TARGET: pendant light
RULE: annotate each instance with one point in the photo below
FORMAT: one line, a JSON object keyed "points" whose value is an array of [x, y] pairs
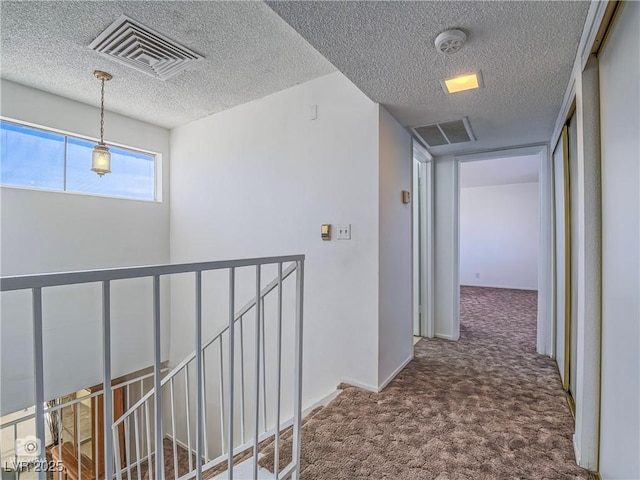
{"points": [[101, 157]]}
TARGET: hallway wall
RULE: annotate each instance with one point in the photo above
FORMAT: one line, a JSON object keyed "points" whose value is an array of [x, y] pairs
{"points": [[259, 180], [395, 254], [499, 236]]}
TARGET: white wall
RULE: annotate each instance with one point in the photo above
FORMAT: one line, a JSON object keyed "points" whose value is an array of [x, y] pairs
{"points": [[499, 236], [395, 290], [446, 275], [52, 231], [620, 124], [259, 180]]}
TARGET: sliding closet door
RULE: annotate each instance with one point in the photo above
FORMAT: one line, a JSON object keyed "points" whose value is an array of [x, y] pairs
{"points": [[572, 283], [562, 254]]}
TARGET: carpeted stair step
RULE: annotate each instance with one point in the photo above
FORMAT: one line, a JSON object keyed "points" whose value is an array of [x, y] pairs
{"points": [[267, 461]]}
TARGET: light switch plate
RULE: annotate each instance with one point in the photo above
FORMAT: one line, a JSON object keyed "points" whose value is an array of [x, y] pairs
{"points": [[343, 232], [325, 231]]}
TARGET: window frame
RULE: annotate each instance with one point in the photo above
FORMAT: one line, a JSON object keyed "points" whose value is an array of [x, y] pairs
{"points": [[157, 163]]}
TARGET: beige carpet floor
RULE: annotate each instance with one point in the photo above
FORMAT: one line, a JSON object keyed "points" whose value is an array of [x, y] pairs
{"points": [[485, 407]]}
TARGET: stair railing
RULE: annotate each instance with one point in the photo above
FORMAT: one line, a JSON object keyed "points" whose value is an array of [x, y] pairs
{"points": [[142, 425], [180, 373], [53, 411]]}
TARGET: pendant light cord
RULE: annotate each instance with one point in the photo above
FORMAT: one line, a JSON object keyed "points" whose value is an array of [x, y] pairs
{"points": [[102, 114]]}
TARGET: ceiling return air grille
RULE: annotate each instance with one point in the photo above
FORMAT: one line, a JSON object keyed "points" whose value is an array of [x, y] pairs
{"points": [[446, 133], [131, 43]]}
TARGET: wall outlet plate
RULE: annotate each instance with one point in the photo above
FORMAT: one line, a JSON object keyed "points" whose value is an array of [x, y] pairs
{"points": [[343, 232]]}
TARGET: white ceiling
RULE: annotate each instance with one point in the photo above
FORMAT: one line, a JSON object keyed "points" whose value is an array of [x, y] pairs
{"points": [[499, 171], [249, 53], [525, 50]]}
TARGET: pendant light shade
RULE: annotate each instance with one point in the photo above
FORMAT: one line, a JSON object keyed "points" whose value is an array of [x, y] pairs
{"points": [[101, 157]]}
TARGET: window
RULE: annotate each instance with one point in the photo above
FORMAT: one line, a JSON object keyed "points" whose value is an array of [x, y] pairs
{"points": [[37, 158]]}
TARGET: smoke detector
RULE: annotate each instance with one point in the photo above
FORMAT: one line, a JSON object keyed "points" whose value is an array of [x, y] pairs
{"points": [[450, 41]]}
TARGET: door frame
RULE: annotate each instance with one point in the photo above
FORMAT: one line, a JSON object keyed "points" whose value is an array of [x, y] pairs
{"points": [[425, 271], [545, 323]]}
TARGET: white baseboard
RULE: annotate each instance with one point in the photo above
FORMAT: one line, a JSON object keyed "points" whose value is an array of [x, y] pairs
{"points": [[394, 373], [356, 383], [501, 286], [371, 388], [443, 336], [323, 402]]}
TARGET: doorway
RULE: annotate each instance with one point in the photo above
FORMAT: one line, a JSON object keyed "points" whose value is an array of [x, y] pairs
{"points": [[498, 225], [422, 243]]}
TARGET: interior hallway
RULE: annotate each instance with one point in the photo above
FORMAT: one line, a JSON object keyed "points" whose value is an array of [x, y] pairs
{"points": [[485, 407]]}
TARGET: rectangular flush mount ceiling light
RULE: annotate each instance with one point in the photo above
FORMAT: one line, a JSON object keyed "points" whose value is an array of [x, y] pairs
{"points": [[462, 83]]}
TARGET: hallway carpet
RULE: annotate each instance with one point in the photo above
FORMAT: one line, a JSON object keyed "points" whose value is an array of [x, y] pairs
{"points": [[485, 407]]}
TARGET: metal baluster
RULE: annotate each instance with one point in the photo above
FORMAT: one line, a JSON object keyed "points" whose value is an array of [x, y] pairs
{"points": [[79, 437], [147, 425], [199, 372], [38, 365], [116, 454], [257, 377], [188, 408], [96, 449], [242, 401], [204, 406], [264, 368], [232, 308], [128, 425], [60, 427], [137, 437], [141, 421], [127, 446], [276, 466], [157, 378], [106, 385], [173, 429], [15, 438], [297, 401], [221, 373]]}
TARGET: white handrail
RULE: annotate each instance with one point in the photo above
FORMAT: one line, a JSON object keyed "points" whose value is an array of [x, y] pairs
{"points": [[24, 282]]}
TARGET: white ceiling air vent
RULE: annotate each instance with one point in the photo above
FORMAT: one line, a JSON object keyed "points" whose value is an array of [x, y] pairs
{"points": [[445, 133], [131, 43], [450, 41]]}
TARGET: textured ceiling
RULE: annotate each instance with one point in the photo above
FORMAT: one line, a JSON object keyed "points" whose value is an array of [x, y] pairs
{"points": [[500, 171], [525, 51], [249, 53]]}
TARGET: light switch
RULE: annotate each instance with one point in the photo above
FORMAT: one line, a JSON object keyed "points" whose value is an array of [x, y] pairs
{"points": [[343, 232]]}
